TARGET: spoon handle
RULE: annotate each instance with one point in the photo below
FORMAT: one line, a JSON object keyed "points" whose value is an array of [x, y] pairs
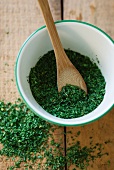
{"points": [[58, 49]]}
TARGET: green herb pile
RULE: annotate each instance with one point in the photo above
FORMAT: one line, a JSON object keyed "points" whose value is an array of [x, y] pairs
{"points": [[25, 135], [71, 102], [82, 157], [29, 142]]}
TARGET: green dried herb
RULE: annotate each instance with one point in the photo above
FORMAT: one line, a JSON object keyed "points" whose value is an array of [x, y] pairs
{"points": [[24, 137], [18, 134], [71, 102], [82, 157], [22, 133]]}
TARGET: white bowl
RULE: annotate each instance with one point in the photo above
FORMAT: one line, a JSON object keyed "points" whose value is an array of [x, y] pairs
{"points": [[80, 37]]}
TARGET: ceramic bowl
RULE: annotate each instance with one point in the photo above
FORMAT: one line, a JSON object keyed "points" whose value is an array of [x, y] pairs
{"points": [[80, 37]]}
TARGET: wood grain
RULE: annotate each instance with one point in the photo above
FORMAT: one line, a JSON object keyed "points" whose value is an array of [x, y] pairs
{"points": [[101, 14], [18, 19]]}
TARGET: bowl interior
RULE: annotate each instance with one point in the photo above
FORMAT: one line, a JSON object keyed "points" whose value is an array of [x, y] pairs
{"points": [[79, 37]]}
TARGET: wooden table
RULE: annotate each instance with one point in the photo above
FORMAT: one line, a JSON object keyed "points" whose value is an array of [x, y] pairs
{"points": [[18, 19]]}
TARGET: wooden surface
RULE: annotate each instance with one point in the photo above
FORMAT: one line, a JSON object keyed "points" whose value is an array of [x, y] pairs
{"points": [[101, 14], [97, 12], [18, 19]]}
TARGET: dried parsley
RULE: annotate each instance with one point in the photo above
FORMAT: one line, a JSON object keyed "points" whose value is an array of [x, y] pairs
{"points": [[71, 102], [82, 157], [29, 140], [22, 133]]}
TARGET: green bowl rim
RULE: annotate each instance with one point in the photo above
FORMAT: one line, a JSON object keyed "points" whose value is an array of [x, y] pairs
{"points": [[44, 26]]}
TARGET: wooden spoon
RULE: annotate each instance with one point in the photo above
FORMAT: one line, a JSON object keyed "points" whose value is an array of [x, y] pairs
{"points": [[66, 72]]}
